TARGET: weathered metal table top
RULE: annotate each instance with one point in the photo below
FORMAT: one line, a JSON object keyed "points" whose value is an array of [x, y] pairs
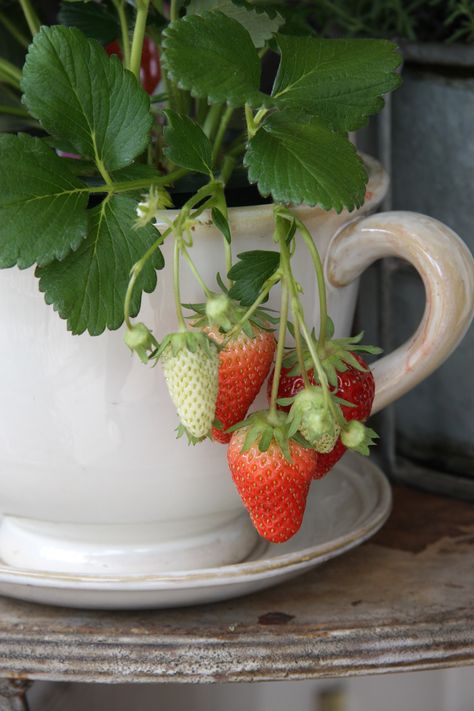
{"points": [[402, 601]]}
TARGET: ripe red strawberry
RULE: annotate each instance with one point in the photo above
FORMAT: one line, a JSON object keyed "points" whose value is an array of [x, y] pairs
{"points": [[150, 70], [243, 366], [273, 489], [355, 386]]}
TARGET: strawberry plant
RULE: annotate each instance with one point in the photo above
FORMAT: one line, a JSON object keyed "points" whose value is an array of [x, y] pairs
{"points": [[86, 223]]}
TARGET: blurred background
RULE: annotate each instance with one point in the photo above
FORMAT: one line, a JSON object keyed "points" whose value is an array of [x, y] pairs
{"points": [[445, 690]]}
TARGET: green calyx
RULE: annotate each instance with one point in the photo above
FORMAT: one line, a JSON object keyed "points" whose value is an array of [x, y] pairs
{"points": [[338, 357], [141, 341], [182, 431], [229, 317], [263, 428], [191, 341], [310, 416], [358, 437]]}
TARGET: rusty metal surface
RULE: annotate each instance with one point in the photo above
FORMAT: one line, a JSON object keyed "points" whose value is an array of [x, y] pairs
{"points": [[403, 601]]}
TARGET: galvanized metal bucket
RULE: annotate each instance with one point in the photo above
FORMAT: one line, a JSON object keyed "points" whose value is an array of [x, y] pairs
{"points": [[425, 139]]}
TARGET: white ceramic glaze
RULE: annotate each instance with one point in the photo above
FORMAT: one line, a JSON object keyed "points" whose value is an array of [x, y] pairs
{"points": [[344, 510], [87, 444]]}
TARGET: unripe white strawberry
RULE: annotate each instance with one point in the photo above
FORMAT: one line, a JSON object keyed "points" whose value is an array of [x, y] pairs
{"points": [[190, 364]]}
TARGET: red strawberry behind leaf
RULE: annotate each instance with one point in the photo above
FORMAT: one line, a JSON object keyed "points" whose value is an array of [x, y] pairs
{"points": [[243, 366], [150, 69], [355, 386], [273, 489]]}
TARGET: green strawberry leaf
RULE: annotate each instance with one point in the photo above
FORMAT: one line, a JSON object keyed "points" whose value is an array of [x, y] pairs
{"points": [[260, 26], [86, 98], [94, 19], [250, 274], [341, 82], [88, 287], [213, 56], [186, 143], [222, 224], [297, 159], [42, 204]]}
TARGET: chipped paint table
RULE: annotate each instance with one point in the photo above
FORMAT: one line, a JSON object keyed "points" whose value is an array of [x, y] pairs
{"points": [[402, 601]]}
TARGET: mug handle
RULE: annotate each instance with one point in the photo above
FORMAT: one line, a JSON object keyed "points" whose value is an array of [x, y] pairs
{"points": [[446, 267]]}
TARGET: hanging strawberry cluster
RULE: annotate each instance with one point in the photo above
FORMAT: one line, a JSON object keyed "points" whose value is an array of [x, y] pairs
{"points": [[320, 392]]}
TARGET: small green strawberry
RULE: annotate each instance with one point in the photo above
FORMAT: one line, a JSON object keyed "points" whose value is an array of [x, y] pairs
{"points": [[357, 436], [140, 339], [190, 364], [311, 416]]}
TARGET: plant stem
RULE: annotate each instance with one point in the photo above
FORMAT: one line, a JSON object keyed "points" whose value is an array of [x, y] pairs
{"points": [[159, 6], [126, 185], [295, 302], [318, 267], [235, 330], [300, 324], [280, 350], [201, 106], [178, 248], [176, 283], [174, 98], [228, 165], [136, 271], [103, 170], [227, 115], [174, 10], [13, 111], [195, 271], [13, 30], [122, 16], [212, 119], [10, 73], [259, 116], [298, 343], [30, 17], [328, 401], [138, 37], [251, 126]]}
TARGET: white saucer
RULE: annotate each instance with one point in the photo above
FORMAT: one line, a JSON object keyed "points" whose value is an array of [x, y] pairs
{"points": [[344, 509]]}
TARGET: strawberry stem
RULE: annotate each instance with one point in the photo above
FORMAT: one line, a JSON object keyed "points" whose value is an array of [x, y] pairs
{"points": [[122, 17], [227, 115], [273, 414], [235, 330], [136, 271], [297, 309], [281, 233], [177, 226], [318, 268], [328, 401], [298, 343], [138, 37], [176, 283], [195, 270]]}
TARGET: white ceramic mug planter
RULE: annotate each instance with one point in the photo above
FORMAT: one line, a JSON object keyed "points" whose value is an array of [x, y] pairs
{"points": [[92, 479]]}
